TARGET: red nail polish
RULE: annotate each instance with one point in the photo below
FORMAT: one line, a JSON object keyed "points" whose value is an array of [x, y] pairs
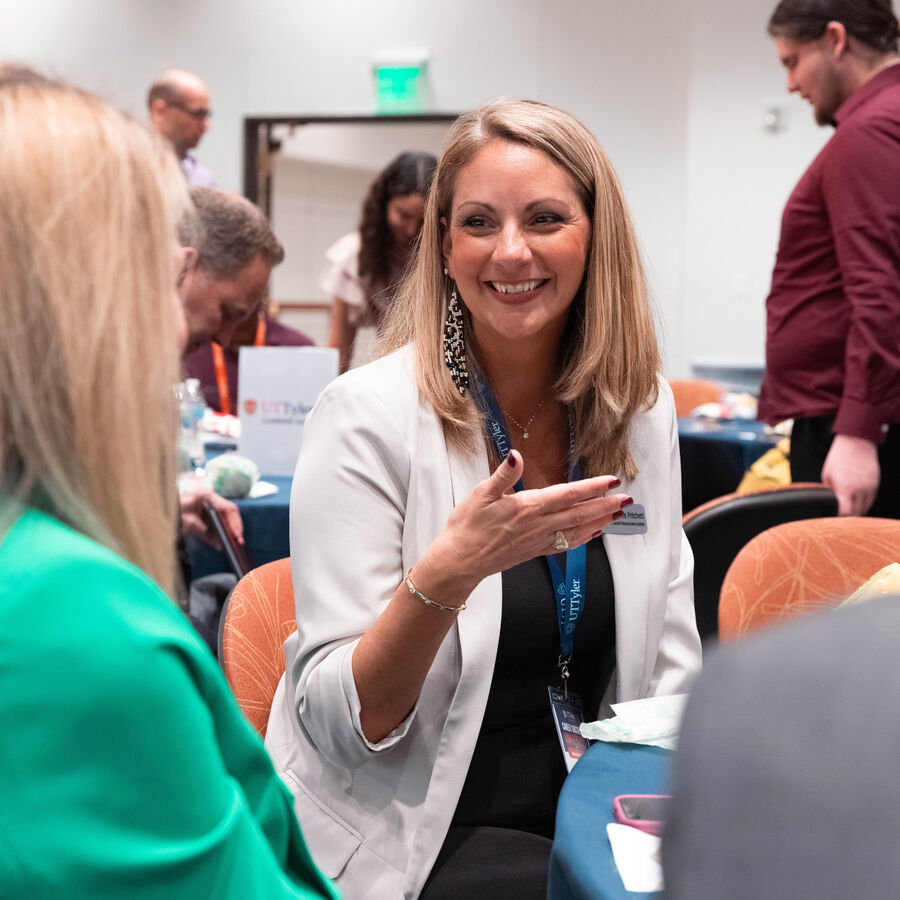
{"points": [[509, 459], [614, 484], [626, 502], [618, 514], [596, 534]]}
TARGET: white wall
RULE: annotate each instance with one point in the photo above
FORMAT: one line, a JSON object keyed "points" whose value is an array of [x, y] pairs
{"points": [[320, 177], [738, 177], [674, 89]]}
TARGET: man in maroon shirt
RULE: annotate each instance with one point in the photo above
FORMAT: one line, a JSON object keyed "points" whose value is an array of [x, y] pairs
{"points": [[833, 330]]}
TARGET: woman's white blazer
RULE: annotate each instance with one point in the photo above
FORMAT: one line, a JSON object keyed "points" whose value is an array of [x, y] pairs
{"points": [[374, 485]]}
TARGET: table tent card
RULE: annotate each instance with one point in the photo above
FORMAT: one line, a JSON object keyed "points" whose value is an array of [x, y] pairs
{"points": [[277, 387]]}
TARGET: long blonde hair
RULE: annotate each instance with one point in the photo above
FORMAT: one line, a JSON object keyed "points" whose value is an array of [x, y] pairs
{"points": [[88, 347], [611, 361]]}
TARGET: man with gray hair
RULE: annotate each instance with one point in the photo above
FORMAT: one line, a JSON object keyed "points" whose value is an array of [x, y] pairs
{"points": [[230, 252], [178, 103], [235, 251]]}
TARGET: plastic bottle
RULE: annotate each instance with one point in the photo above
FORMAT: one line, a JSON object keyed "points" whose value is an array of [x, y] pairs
{"points": [[192, 452]]}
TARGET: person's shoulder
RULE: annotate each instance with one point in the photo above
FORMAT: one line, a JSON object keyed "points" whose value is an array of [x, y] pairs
{"points": [[804, 676], [82, 598], [344, 248], [196, 174], [198, 361], [280, 335], [61, 551], [652, 431], [828, 643], [390, 379], [661, 412], [386, 385], [872, 125]]}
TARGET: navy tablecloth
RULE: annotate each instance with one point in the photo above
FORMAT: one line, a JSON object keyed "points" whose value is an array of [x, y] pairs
{"points": [[266, 532], [581, 862], [715, 455]]}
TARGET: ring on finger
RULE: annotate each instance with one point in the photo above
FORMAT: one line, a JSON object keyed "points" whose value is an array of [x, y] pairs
{"points": [[559, 541]]}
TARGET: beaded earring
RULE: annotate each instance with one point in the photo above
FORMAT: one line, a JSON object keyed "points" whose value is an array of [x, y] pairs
{"points": [[454, 342]]}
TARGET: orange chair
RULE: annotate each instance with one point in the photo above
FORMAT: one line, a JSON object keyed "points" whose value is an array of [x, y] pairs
{"points": [[255, 623], [693, 392], [717, 530], [800, 567]]}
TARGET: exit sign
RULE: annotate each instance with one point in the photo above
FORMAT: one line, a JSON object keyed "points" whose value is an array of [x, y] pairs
{"points": [[401, 83]]}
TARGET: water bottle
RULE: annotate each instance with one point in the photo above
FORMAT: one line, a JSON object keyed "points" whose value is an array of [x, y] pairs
{"points": [[192, 453]]}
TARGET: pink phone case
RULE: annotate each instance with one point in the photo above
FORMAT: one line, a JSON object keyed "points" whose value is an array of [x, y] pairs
{"points": [[651, 826]]}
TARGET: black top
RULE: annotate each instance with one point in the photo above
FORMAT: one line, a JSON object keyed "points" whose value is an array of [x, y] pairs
{"points": [[517, 768]]}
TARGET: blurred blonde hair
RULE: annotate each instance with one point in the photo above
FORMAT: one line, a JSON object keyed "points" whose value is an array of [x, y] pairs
{"points": [[611, 362], [88, 347]]}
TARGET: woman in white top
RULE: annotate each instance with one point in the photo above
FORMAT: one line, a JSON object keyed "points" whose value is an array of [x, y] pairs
{"points": [[448, 494], [365, 267]]}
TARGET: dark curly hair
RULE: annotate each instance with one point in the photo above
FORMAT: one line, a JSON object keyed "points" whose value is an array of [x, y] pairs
{"points": [[870, 21], [409, 173]]}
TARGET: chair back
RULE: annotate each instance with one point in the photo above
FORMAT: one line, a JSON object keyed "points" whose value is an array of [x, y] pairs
{"points": [[717, 530], [255, 623], [800, 567], [690, 393]]}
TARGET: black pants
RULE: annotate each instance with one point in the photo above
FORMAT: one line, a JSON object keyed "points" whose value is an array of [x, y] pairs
{"points": [[810, 440], [485, 862]]}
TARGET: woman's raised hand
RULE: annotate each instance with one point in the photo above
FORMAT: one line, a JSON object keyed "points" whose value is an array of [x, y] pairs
{"points": [[493, 529], [496, 528]]}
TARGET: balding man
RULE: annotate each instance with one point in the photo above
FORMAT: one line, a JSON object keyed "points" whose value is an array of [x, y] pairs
{"points": [[178, 103]]}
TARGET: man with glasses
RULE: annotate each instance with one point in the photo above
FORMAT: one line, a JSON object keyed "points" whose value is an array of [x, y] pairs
{"points": [[179, 110]]}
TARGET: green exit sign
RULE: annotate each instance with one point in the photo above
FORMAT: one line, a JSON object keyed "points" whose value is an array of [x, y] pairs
{"points": [[401, 88]]}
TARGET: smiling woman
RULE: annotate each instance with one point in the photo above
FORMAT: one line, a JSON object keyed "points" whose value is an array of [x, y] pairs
{"points": [[478, 471], [516, 245]]}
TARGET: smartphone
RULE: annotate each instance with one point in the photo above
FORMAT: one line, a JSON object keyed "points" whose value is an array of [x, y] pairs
{"points": [[237, 558], [644, 811]]}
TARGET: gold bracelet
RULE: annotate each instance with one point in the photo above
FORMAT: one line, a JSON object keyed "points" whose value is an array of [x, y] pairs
{"points": [[428, 601]]}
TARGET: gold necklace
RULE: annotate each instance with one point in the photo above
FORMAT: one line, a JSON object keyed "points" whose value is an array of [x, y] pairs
{"points": [[524, 428]]}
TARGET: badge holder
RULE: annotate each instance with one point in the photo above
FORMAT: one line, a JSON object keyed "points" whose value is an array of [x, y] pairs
{"points": [[567, 716]]}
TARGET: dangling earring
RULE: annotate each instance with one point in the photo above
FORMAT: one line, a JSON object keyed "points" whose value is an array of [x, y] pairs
{"points": [[454, 342]]}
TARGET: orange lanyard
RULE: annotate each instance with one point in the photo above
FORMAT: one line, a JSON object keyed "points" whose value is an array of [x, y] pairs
{"points": [[219, 362]]}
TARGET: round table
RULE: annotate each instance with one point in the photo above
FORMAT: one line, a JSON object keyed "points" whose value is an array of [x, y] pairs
{"points": [[581, 862], [715, 455]]}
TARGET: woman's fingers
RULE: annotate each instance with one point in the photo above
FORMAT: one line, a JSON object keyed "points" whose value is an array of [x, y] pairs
{"points": [[581, 534], [505, 476], [598, 510], [586, 520], [512, 527], [560, 497]]}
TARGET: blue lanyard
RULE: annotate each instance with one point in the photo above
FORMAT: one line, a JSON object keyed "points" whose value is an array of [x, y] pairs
{"points": [[569, 585]]}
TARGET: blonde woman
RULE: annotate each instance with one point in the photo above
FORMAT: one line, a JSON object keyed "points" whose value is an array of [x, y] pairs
{"points": [[126, 769], [465, 541]]}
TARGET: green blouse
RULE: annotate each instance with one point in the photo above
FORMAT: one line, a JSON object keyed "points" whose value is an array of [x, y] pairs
{"points": [[126, 767]]}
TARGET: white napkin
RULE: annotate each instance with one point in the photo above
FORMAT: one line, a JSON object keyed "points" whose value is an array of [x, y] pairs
{"points": [[262, 489], [637, 857], [653, 721]]}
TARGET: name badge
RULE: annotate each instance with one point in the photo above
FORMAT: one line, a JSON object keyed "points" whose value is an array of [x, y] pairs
{"points": [[567, 716], [633, 522]]}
